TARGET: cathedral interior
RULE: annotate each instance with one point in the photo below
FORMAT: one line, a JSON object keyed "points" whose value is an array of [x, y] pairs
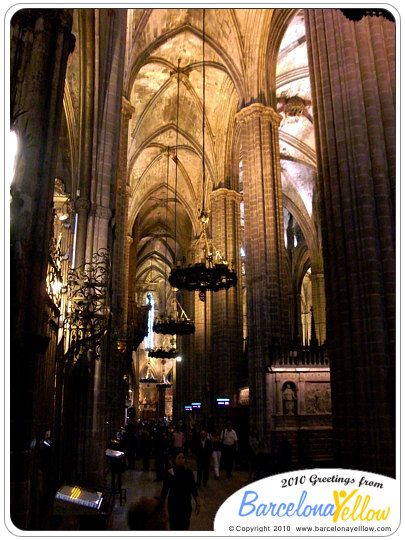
{"points": [[202, 226]]}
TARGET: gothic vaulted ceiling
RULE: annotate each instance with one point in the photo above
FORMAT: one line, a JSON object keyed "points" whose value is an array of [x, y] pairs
{"points": [[164, 83], [177, 155]]}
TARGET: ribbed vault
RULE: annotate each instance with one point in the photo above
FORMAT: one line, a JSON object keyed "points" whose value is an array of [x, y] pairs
{"points": [[164, 85]]}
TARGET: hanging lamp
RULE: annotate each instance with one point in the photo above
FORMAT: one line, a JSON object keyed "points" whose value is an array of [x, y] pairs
{"points": [[163, 353], [149, 377], [213, 272], [164, 383]]}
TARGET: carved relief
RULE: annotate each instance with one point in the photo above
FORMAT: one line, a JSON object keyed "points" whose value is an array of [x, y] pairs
{"points": [[318, 398]]}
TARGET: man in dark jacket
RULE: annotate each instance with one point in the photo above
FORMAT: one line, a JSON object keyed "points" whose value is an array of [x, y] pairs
{"points": [[203, 451]]}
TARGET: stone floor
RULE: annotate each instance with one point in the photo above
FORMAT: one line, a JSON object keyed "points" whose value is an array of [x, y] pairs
{"points": [[140, 483]]}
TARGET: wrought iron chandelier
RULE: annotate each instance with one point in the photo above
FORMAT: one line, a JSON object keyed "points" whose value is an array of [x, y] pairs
{"points": [[213, 272], [149, 377], [179, 324], [164, 383], [163, 353]]}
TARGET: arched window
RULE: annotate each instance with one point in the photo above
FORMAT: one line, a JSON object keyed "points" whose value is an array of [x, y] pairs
{"points": [[149, 340]]}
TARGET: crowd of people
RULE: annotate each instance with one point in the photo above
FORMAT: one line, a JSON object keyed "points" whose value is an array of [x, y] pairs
{"points": [[164, 447], [155, 443]]}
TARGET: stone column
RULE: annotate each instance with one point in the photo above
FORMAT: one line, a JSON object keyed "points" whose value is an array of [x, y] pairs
{"points": [[161, 408], [295, 316], [41, 41], [183, 369], [135, 386], [86, 133], [82, 209], [227, 337], [318, 304], [125, 285], [101, 79], [352, 69], [123, 239], [200, 360], [266, 278]]}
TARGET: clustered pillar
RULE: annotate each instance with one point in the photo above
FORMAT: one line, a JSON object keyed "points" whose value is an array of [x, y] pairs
{"points": [[41, 41], [353, 87], [227, 336], [266, 278]]}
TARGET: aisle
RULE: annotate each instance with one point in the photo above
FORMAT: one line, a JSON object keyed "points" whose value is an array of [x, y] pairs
{"points": [[140, 483]]}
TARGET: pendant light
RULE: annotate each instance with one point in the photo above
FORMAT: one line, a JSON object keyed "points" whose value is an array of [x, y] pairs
{"points": [[213, 272]]}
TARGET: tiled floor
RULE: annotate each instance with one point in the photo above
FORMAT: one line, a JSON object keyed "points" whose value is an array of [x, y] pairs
{"points": [[139, 483]]}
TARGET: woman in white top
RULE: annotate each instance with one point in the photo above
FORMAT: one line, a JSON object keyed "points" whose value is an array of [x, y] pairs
{"points": [[229, 448], [216, 451]]}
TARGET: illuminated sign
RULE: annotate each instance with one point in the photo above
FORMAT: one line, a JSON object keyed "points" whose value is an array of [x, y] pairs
{"points": [[223, 402], [196, 405]]}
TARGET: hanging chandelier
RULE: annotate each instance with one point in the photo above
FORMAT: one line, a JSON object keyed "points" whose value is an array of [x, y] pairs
{"points": [[212, 273], [174, 326], [177, 324], [164, 383], [163, 353], [149, 377]]}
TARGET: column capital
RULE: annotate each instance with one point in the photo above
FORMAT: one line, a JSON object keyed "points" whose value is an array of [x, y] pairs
{"points": [[226, 193], [82, 205], [258, 110]]}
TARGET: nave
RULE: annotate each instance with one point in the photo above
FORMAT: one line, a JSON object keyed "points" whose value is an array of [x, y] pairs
{"points": [[140, 483]]}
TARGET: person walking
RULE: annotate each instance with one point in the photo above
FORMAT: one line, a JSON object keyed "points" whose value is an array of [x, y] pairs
{"points": [[178, 440], [145, 446], [229, 447], [203, 451], [216, 452], [160, 452], [179, 487]]}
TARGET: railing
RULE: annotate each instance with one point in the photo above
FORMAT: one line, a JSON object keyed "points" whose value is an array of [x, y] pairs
{"points": [[305, 355]]}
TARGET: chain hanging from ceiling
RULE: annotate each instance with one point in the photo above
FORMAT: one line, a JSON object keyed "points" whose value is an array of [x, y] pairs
{"points": [[177, 322], [213, 272]]}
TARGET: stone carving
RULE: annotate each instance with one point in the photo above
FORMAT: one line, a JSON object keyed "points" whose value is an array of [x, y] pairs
{"points": [[289, 400], [318, 398], [293, 106]]}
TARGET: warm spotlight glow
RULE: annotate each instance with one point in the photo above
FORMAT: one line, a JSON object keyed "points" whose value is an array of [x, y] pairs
{"points": [[12, 149], [56, 287]]}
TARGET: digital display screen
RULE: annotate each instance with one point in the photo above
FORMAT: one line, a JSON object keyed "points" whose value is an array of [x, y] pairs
{"points": [[223, 402]]}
